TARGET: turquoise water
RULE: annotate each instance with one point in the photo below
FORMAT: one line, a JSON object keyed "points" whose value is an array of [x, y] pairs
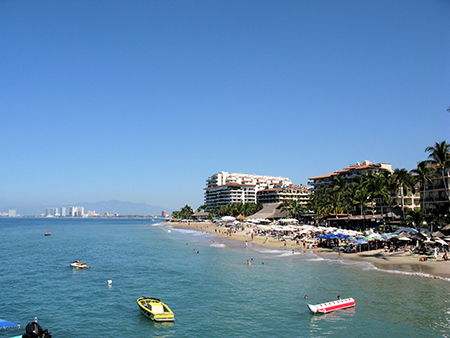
{"points": [[213, 293]]}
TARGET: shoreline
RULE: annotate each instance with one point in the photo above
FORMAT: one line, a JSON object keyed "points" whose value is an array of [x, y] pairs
{"points": [[395, 262]]}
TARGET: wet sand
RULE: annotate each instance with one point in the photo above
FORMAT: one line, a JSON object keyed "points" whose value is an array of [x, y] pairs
{"points": [[393, 261]]}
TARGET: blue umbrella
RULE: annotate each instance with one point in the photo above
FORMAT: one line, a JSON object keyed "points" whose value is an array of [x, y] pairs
{"points": [[4, 324]]}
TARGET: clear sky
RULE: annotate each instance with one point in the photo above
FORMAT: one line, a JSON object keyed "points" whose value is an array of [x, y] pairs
{"points": [[141, 101]]}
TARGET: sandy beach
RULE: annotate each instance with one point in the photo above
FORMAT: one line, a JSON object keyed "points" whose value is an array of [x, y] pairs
{"points": [[393, 261]]}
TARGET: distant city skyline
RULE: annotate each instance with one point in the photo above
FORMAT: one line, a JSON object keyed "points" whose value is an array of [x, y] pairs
{"points": [[142, 101]]}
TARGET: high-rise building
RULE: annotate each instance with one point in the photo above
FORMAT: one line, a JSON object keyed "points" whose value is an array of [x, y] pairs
{"points": [[224, 188], [76, 211], [12, 213], [63, 212]]}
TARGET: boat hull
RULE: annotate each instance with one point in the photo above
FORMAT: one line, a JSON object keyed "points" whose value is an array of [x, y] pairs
{"points": [[332, 306], [80, 265], [155, 310]]}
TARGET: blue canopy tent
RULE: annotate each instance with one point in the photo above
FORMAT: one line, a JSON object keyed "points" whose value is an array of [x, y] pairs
{"points": [[4, 324]]}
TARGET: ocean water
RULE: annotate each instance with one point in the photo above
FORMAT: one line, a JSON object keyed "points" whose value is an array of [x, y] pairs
{"points": [[213, 293]]}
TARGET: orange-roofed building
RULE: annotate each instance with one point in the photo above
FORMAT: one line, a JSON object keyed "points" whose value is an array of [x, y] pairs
{"points": [[350, 174]]}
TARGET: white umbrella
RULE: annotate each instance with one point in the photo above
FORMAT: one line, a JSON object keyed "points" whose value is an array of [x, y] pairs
{"points": [[403, 238], [440, 241]]}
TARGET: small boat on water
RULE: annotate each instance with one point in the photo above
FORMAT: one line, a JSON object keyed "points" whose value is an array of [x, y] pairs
{"points": [[156, 310], [78, 265], [332, 306], [47, 234]]}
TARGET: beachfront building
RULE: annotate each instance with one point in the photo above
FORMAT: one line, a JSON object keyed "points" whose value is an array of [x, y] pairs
{"points": [[354, 171], [434, 192], [224, 188], [299, 193], [350, 174]]}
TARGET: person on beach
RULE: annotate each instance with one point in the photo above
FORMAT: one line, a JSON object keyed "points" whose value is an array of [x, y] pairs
{"points": [[339, 297], [246, 244]]}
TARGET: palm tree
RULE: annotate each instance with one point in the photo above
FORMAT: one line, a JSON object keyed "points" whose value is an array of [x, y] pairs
{"points": [[361, 198], [338, 194], [440, 156], [201, 208], [378, 189], [299, 209], [287, 205], [417, 216], [405, 183], [424, 173]]}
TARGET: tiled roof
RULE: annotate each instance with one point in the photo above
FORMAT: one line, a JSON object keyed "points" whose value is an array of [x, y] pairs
{"points": [[353, 167]]}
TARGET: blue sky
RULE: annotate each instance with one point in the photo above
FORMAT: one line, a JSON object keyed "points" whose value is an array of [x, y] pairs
{"points": [[141, 101]]}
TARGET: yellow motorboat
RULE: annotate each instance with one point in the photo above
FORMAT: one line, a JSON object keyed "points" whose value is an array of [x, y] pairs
{"points": [[156, 310]]}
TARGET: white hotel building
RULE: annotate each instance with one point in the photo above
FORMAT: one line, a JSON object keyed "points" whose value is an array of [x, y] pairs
{"points": [[225, 188]]}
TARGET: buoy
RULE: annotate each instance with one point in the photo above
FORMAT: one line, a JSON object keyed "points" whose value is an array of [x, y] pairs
{"points": [[109, 281]]}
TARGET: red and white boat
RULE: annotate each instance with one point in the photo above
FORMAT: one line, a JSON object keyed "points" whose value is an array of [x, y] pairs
{"points": [[332, 306]]}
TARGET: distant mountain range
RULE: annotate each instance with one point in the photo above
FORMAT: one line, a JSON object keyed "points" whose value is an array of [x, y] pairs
{"points": [[112, 206]]}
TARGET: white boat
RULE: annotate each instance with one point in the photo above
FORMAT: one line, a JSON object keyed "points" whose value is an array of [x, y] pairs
{"points": [[332, 306], [78, 265]]}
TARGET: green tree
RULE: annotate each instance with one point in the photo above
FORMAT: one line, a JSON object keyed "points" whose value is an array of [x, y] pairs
{"points": [[405, 183], [417, 217], [424, 173], [361, 198], [201, 208], [378, 190], [440, 155], [185, 212]]}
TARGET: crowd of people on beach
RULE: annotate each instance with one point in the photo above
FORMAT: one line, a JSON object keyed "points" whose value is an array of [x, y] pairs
{"points": [[308, 236], [289, 233]]}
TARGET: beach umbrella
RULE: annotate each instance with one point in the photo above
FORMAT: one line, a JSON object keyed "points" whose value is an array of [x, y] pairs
{"points": [[419, 237], [409, 231], [438, 234], [403, 238], [4, 324], [228, 218], [440, 241], [373, 236]]}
